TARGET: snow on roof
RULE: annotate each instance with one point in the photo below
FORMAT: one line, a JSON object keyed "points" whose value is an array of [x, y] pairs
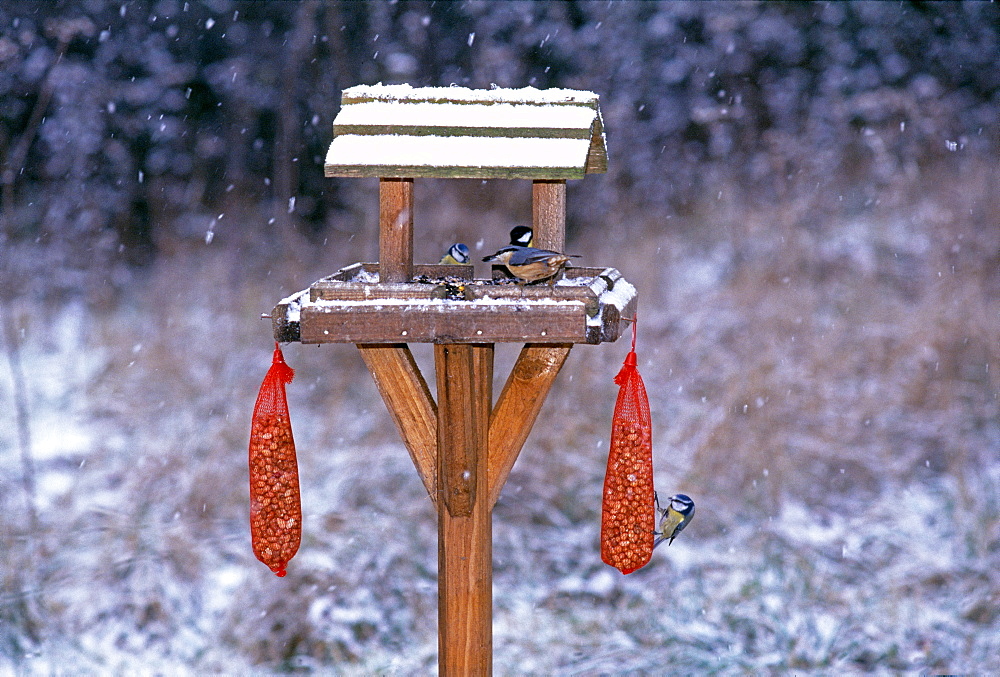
{"points": [[404, 131], [457, 156], [409, 93], [473, 115]]}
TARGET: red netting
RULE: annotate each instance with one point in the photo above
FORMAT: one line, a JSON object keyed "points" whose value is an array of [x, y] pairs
{"points": [[275, 508], [628, 514]]}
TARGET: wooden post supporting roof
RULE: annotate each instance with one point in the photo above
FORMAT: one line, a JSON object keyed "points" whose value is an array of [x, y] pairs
{"points": [[548, 214], [395, 230]]}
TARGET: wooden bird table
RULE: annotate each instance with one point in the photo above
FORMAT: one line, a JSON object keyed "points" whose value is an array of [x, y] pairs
{"points": [[463, 445]]}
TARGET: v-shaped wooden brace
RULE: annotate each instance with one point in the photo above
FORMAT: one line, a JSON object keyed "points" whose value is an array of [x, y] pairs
{"points": [[464, 449], [416, 414]]}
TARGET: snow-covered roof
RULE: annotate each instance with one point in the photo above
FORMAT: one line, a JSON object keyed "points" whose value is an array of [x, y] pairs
{"points": [[456, 132]]}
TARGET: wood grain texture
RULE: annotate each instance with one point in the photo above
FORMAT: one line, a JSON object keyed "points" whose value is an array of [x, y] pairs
{"points": [[460, 130], [286, 330], [465, 549], [517, 408], [548, 214], [347, 278], [375, 312], [457, 435], [410, 404], [597, 155], [356, 291], [443, 323], [612, 325], [395, 243]]}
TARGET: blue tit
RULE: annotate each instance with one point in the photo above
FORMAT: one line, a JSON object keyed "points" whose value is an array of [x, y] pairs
{"points": [[673, 518], [522, 236], [530, 264], [457, 254]]}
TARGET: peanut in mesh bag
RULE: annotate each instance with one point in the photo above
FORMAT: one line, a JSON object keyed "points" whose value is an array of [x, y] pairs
{"points": [[628, 513], [275, 505]]}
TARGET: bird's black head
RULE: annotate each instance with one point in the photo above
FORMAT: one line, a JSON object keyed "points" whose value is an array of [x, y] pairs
{"points": [[521, 236]]}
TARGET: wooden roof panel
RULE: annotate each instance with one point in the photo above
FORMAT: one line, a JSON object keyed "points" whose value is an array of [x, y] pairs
{"points": [[476, 116], [456, 157], [455, 132]]}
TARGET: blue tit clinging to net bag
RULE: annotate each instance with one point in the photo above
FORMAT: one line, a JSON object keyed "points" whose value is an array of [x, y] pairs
{"points": [[673, 518]]}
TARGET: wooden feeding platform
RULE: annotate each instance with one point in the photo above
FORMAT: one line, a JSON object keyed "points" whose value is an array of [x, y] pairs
{"points": [[444, 305], [463, 445]]}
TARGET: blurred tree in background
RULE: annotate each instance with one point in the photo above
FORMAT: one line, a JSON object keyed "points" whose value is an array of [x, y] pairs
{"points": [[125, 126]]}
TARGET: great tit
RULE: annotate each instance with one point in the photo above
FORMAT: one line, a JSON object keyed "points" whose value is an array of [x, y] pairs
{"points": [[673, 518], [530, 264], [522, 236], [457, 254]]}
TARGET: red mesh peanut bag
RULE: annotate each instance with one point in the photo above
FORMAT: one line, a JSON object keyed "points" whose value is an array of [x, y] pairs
{"points": [[628, 515], [275, 509]]}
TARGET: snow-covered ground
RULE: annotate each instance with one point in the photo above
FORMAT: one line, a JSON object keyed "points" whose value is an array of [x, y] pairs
{"points": [[828, 397]]}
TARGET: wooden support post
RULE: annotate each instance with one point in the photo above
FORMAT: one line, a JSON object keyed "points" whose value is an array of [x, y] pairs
{"points": [[410, 404], [465, 535], [548, 214], [514, 415], [395, 239]]}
